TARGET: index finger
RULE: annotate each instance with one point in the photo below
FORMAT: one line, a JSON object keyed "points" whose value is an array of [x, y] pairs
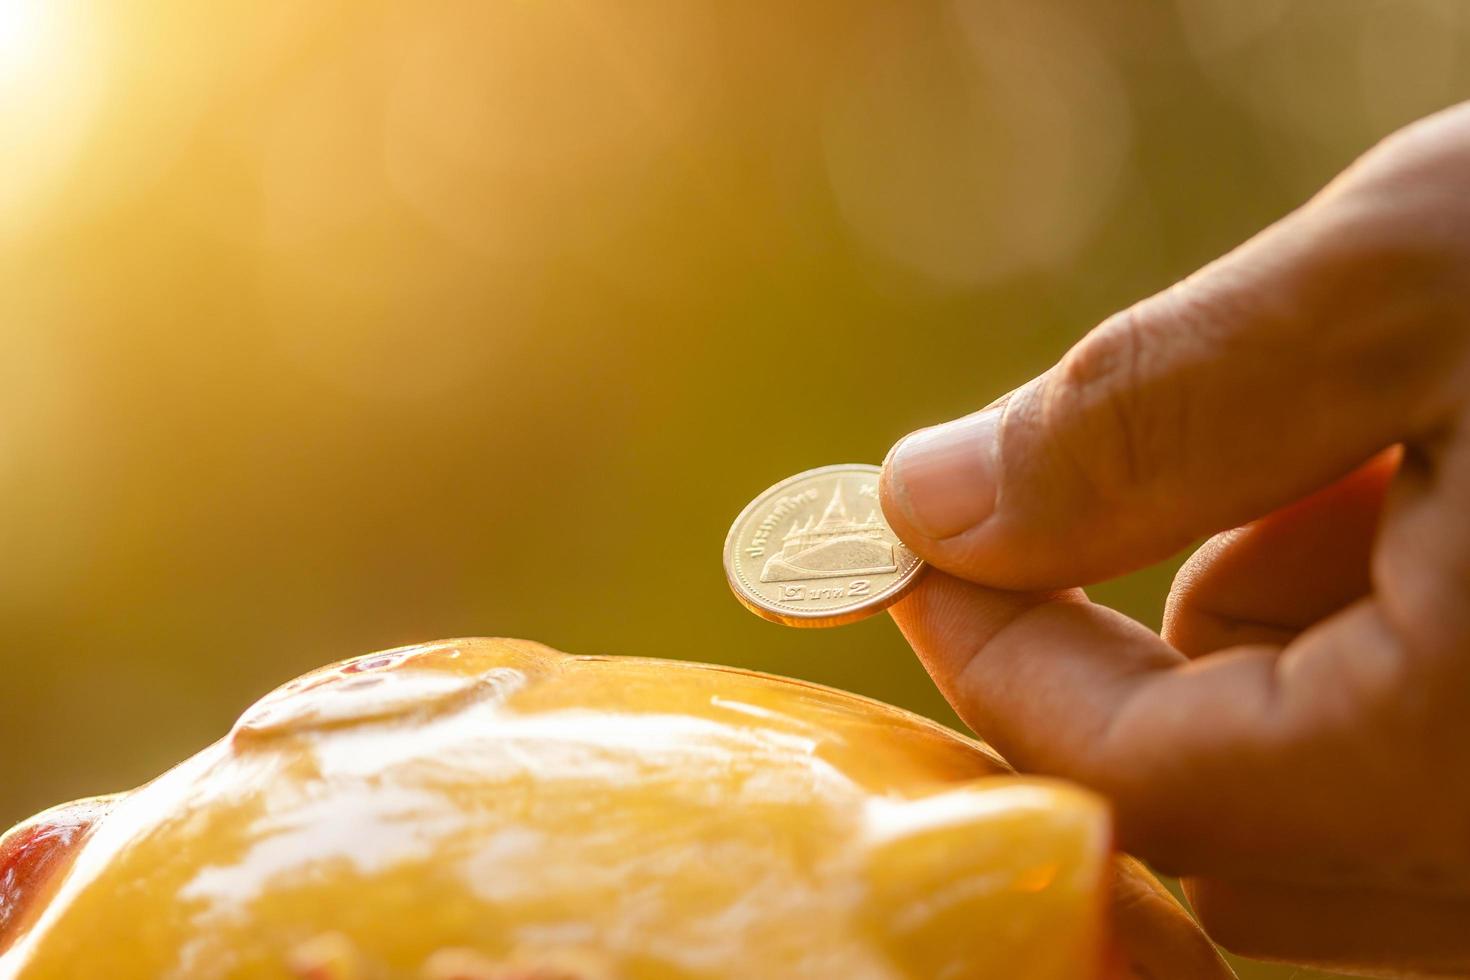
{"points": [[1243, 762], [1269, 374]]}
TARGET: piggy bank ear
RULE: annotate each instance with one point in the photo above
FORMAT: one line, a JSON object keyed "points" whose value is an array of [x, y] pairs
{"points": [[35, 854], [1004, 877], [1015, 877]]}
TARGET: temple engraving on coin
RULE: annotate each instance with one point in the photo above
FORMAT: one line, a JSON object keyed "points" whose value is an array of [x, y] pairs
{"points": [[832, 546], [814, 550]]}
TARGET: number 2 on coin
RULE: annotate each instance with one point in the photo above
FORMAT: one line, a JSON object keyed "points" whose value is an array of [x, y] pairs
{"points": [[795, 593]]}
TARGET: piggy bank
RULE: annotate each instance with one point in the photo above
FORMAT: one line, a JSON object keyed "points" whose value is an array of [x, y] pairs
{"points": [[496, 810]]}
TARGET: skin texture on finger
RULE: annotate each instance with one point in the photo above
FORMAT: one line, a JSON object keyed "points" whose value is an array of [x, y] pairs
{"points": [[1157, 938], [1365, 932], [1266, 582], [1421, 567], [1241, 763], [1269, 374]]}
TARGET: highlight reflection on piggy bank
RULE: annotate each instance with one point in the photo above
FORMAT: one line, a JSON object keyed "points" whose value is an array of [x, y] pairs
{"points": [[495, 810]]}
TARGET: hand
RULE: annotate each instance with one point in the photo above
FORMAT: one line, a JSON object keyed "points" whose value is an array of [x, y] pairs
{"points": [[1297, 743]]}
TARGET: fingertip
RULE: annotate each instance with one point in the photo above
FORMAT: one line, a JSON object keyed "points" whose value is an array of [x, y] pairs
{"points": [[969, 497], [939, 491], [1271, 579], [941, 480]]}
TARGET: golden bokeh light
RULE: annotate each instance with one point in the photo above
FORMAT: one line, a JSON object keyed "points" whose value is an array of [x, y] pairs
{"points": [[1377, 66], [51, 83], [975, 143], [23, 30]]}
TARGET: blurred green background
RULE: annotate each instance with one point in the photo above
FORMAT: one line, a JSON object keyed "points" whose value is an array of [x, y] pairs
{"points": [[334, 326]]}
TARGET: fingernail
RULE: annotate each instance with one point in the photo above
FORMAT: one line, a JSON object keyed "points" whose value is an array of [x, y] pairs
{"points": [[943, 477]]}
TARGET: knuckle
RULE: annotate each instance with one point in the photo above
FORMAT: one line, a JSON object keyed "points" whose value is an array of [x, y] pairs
{"points": [[1441, 138], [1112, 406], [1399, 219]]}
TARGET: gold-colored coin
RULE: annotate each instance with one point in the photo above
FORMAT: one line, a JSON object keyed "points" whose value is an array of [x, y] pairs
{"points": [[814, 550]]}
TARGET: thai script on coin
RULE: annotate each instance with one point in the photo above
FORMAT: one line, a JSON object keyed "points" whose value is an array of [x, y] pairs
{"points": [[814, 550]]}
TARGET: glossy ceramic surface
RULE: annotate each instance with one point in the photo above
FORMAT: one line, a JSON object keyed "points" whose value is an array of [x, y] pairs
{"points": [[495, 809]]}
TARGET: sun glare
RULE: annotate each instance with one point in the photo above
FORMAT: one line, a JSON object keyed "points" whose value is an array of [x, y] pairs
{"points": [[23, 35], [51, 82]]}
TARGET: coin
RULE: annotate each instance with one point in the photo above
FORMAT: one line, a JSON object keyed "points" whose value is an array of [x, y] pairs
{"points": [[814, 550]]}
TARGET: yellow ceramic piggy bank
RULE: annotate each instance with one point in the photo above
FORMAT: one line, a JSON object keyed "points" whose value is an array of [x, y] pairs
{"points": [[495, 810]]}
